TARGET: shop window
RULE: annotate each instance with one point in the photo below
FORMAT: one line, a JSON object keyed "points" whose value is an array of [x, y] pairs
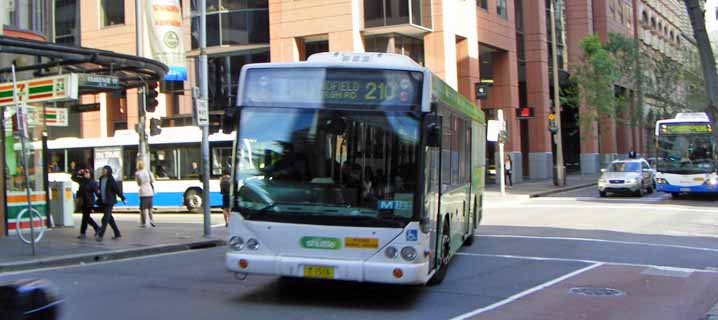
{"points": [[112, 12]]}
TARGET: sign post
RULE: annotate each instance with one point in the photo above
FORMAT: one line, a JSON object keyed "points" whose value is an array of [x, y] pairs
{"points": [[22, 131]]}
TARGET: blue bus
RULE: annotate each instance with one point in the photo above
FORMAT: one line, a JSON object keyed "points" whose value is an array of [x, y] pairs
{"points": [[686, 155]]}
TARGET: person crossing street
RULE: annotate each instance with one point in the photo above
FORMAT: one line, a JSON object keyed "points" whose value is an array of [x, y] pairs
{"points": [[109, 192]]}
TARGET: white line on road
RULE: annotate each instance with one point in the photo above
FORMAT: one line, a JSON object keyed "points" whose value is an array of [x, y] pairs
{"points": [[525, 293], [624, 264], [642, 208], [603, 200], [636, 243], [218, 225]]}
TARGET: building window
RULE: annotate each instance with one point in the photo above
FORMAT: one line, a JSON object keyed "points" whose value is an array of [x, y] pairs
{"points": [[112, 12], [483, 4], [379, 13], [313, 47], [29, 15], [66, 22], [223, 71], [410, 47], [232, 22], [501, 9]]}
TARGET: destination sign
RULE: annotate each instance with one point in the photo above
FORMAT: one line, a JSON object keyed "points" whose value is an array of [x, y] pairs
{"points": [[685, 128], [342, 87]]}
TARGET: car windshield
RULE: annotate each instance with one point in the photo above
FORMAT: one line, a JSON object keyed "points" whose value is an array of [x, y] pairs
{"points": [[625, 167], [326, 166], [685, 153]]}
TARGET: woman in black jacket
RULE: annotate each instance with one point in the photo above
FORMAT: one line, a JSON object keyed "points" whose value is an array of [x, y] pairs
{"points": [[86, 195], [109, 191]]}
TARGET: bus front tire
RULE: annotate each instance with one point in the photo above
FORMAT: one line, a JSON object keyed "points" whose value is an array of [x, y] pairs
{"points": [[193, 200], [445, 256]]}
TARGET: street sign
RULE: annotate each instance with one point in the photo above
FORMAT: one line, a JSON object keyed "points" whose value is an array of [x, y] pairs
{"points": [[493, 129], [99, 81], [202, 110], [56, 117], [525, 113], [48, 89]]}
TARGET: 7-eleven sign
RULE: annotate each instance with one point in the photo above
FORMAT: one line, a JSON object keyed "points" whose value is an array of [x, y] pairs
{"points": [[56, 117], [48, 89]]}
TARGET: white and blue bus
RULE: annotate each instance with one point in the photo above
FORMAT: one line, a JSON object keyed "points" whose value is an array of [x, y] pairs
{"points": [[686, 158], [353, 166], [174, 160]]}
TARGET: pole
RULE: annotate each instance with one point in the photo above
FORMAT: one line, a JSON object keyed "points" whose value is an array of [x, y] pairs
{"points": [[141, 115], [501, 173], [560, 181], [203, 95], [21, 125]]}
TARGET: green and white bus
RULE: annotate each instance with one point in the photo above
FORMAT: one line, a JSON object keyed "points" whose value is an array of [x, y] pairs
{"points": [[353, 166]]}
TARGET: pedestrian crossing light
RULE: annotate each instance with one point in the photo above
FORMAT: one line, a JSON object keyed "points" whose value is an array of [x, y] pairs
{"points": [[552, 123], [151, 95], [155, 128]]}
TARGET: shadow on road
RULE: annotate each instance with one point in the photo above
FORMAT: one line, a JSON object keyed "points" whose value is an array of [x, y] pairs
{"points": [[305, 292]]}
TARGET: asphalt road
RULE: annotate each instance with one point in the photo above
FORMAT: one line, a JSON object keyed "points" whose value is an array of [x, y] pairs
{"points": [[525, 251]]}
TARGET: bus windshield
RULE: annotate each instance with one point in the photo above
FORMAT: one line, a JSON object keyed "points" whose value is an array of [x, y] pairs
{"points": [[685, 153], [324, 166]]}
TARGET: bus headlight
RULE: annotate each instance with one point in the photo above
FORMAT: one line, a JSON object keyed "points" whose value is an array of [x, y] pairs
{"points": [[236, 243], [390, 252], [252, 244], [408, 253]]}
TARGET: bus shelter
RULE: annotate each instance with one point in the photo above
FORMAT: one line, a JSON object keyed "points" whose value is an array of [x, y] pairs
{"points": [[56, 73]]}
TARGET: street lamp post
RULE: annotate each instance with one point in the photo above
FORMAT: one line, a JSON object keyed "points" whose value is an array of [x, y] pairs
{"points": [[203, 95], [560, 169]]}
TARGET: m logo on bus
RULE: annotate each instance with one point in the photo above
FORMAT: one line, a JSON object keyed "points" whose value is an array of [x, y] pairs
{"points": [[320, 243], [393, 205]]}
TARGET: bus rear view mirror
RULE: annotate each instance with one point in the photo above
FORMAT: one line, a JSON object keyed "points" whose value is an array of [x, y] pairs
{"points": [[433, 131]]}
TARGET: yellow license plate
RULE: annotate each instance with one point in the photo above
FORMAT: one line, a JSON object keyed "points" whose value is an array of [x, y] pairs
{"points": [[319, 272]]}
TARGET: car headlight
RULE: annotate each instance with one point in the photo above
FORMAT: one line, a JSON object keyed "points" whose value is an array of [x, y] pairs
{"points": [[252, 244], [408, 253], [602, 180], [390, 252], [236, 243]]}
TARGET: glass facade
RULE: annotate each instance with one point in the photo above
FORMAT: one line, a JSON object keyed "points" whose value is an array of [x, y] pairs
{"points": [[224, 75], [396, 12], [232, 22], [29, 15]]}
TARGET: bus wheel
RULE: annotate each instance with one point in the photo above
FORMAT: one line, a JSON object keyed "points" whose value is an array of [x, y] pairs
{"points": [[445, 255], [193, 200]]}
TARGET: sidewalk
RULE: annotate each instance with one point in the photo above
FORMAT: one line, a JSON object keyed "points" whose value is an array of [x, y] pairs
{"points": [[533, 189], [60, 246]]}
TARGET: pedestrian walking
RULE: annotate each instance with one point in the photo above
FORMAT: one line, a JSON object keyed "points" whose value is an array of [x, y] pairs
{"points": [[145, 181], [109, 191], [224, 186], [86, 200], [508, 171]]}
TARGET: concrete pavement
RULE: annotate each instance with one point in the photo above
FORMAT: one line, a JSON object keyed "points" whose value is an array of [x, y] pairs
{"points": [[534, 189], [60, 246]]}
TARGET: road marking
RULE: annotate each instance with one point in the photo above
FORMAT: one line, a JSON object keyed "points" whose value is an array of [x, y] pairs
{"points": [[526, 292], [623, 264], [636, 207], [603, 200], [675, 246], [219, 225]]}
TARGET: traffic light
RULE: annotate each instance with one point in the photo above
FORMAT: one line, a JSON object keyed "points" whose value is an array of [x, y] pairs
{"points": [[155, 127], [151, 94], [228, 120]]}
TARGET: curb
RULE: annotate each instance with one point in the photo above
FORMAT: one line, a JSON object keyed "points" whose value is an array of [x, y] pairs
{"points": [[88, 258], [712, 313], [554, 191]]}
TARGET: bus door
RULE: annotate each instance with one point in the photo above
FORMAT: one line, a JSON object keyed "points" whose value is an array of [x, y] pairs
{"points": [[432, 181]]}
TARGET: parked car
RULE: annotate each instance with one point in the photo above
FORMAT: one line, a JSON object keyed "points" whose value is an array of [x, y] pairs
{"points": [[633, 176]]}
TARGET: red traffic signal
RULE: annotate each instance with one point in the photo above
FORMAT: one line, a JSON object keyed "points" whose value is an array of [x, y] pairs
{"points": [[524, 113], [151, 95]]}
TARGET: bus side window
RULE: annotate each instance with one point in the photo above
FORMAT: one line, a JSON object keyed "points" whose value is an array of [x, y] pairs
{"points": [[446, 152]]}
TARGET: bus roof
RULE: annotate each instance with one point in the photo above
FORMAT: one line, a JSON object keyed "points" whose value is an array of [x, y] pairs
{"points": [[434, 90], [171, 135]]}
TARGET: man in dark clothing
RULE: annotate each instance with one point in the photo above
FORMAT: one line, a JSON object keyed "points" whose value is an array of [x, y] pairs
{"points": [[109, 191], [86, 195], [292, 166]]}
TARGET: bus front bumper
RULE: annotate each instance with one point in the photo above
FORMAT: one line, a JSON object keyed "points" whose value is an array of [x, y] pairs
{"points": [[347, 270], [703, 188]]}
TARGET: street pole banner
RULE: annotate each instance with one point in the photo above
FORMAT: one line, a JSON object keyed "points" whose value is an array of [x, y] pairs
{"points": [[163, 37]]}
